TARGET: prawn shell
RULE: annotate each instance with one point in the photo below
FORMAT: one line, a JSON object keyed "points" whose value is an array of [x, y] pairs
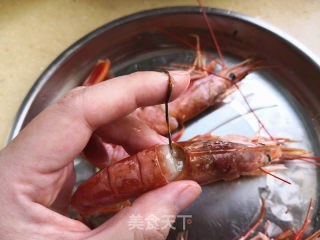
{"points": [[200, 95], [211, 161], [128, 178], [152, 175], [92, 194]]}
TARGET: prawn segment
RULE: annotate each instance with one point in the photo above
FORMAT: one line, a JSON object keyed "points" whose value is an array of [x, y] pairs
{"points": [[98, 74], [205, 161], [153, 175], [211, 161], [122, 180], [102, 192], [204, 92]]}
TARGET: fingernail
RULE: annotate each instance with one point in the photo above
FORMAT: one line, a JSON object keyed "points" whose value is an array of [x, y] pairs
{"points": [[187, 196], [181, 80]]}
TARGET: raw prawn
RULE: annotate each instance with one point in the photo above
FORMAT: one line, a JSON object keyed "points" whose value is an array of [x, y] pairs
{"points": [[201, 94], [205, 161], [206, 89]]}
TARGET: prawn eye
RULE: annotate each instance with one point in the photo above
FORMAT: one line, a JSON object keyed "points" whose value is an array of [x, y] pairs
{"points": [[232, 76], [268, 158]]}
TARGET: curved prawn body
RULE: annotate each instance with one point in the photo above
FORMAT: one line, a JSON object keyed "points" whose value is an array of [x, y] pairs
{"points": [[201, 94], [204, 161], [205, 90]]}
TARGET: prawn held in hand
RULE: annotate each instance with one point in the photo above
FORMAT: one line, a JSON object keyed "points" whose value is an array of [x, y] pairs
{"points": [[204, 161]]}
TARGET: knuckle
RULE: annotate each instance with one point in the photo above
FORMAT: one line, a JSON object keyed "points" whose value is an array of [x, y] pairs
{"points": [[71, 98]]}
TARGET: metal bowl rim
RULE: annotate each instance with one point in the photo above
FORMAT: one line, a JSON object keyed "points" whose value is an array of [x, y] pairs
{"points": [[42, 79]]}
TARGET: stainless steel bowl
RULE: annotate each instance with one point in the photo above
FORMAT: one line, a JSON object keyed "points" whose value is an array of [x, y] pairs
{"points": [[285, 96]]}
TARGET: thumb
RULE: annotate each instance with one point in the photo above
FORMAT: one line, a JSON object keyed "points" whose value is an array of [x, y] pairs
{"points": [[151, 215]]}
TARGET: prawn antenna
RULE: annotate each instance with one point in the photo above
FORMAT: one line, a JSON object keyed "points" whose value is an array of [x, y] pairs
{"points": [[212, 34], [184, 42]]}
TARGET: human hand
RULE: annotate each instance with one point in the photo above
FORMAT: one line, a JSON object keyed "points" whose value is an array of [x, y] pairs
{"points": [[37, 173]]}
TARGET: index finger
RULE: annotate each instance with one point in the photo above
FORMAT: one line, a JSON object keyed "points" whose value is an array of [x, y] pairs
{"points": [[59, 133]]}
